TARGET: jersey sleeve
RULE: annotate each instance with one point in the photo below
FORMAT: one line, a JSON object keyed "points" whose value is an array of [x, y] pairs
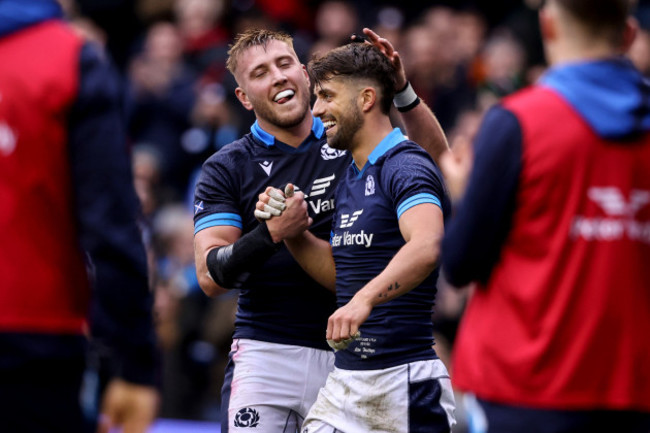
{"points": [[107, 210], [411, 179], [217, 193], [481, 223]]}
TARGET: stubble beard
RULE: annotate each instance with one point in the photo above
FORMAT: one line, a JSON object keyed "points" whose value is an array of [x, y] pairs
{"points": [[346, 128], [266, 111]]}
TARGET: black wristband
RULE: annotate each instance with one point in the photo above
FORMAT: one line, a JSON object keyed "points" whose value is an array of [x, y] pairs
{"points": [[409, 107], [230, 265]]}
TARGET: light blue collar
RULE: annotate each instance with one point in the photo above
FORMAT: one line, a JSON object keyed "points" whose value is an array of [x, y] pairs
{"points": [[317, 129], [391, 140], [394, 138]]}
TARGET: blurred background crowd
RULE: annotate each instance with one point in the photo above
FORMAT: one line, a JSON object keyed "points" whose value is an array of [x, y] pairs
{"points": [[460, 56]]}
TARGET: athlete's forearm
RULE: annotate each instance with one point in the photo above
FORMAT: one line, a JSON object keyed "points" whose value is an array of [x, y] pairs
{"points": [[408, 268], [315, 256], [423, 127], [230, 265]]}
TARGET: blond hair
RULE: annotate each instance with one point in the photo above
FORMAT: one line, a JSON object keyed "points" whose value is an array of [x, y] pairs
{"points": [[253, 38]]}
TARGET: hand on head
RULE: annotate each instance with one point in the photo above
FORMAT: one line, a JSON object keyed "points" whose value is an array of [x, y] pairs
{"points": [[389, 51]]}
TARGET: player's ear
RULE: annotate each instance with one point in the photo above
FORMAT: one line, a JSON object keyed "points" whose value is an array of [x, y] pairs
{"points": [[368, 98], [304, 70], [243, 98], [547, 24], [629, 33]]}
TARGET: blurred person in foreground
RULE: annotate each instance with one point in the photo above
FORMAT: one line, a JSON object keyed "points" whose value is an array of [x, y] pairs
{"points": [[279, 357], [381, 258], [67, 224], [555, 229]]}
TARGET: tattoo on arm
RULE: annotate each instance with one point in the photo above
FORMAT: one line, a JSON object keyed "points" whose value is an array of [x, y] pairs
{"points": [[390, 288]]}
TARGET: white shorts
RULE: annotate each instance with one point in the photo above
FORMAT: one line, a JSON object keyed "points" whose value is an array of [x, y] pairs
{"points": [[270, 387], [409, 398]]}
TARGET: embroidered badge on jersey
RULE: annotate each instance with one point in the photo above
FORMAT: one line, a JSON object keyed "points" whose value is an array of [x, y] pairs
{"points": [[328, 153], [247, 417], [370, 185]]}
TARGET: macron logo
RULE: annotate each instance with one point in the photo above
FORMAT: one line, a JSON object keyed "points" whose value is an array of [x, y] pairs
{"points": [[266, 166], [347, 221]]}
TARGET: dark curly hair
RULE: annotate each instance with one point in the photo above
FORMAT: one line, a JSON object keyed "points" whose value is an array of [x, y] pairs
{"points": [[357, 61]]}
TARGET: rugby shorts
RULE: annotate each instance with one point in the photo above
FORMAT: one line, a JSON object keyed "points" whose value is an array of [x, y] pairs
{"points": [[409, 398], [270, 387]]}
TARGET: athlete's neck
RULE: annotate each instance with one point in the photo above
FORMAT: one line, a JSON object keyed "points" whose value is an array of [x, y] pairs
{"points": [[293, 136], [374, 129]]}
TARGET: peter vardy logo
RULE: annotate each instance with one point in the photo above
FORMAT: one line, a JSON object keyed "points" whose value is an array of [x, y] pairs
{"points": [[370, 185], [266, 166], [348, 239], [347, 221], [327, 153], [319, 187], [620, 219], [247, 417]]}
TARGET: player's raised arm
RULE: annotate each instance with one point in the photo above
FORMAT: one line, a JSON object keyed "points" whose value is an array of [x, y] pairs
{"points": [[420, 123]]}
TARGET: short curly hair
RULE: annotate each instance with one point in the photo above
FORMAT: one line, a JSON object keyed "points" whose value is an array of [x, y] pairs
{"points": [[357, 61]]}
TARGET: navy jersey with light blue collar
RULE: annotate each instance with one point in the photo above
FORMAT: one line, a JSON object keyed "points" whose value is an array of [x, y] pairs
{"points": [[279, 303], [365, 237]]}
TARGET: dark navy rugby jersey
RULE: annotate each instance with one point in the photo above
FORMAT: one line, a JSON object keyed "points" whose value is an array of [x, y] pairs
{"points": [[279, 302], [365, 237]]}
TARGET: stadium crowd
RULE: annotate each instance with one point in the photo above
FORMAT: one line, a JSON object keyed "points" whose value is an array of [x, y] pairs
{"points": [[461, 58]]}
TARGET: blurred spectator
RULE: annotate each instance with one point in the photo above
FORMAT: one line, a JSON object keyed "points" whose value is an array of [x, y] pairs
{"points": [[162, 97], [389, 23], [205, 39], [195, 331], [433, 62], [336, 20], [215, 124], [503, 62], [73, 268], [146, 178], [292, 15], [471, 29], [552, 229]]}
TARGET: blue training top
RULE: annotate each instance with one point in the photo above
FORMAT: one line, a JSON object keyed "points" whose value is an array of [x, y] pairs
{"points": [[366, 236], [279, 303]]}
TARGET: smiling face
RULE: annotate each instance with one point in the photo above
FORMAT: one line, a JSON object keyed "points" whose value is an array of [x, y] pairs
{"points": [[274, 84], [337, 106]]}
